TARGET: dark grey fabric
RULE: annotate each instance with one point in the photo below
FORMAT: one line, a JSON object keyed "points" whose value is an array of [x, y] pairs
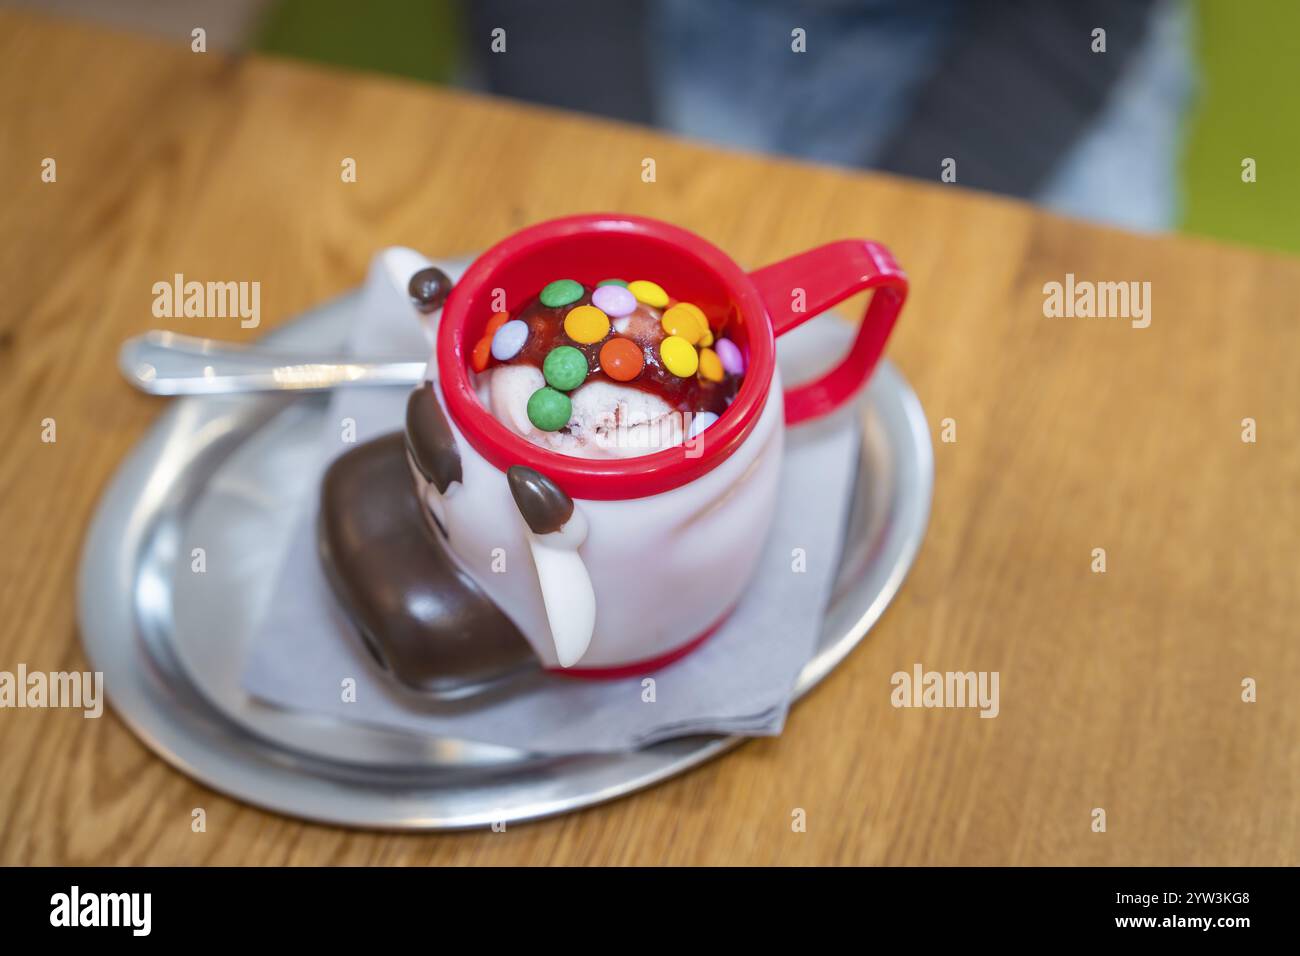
{"points": [[1012, 90], [1017, 87], [587, 55]]}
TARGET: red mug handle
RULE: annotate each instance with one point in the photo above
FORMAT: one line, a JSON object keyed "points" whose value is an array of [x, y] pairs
{"points": [[827, 275]]}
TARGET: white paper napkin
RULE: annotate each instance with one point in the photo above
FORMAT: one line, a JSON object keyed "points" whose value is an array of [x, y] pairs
{"points": [[739, 681]]}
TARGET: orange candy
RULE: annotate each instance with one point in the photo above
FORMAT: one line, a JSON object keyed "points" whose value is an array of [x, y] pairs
{"points": [[478, 359], [498, 319], [711, 366], [586, 324], [621, 359]]}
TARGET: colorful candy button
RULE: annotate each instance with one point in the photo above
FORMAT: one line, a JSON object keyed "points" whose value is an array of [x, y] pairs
{"points": [[621, 359], [730, 355], [478, 358], [679, 356], [498, 319], [682, 322], [622, 282], [586, 324], [649, 293], [549, 410], [614, 300], [565, 368], [696, 311], [561, 292], [711, 366], [699, 422], [509, 339], [706, 333]]}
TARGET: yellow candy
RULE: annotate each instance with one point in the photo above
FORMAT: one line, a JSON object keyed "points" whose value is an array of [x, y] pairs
{"points": [[710, 365], [648, 292], [586, 324], [706, 334], [679, 356], [694, 310], [681, 321]]}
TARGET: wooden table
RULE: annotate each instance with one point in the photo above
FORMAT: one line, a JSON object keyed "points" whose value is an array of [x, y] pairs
{"points": [[1120, 691]]}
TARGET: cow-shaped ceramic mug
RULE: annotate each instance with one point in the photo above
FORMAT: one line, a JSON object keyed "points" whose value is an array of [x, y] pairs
{"points": [[613, 567]]}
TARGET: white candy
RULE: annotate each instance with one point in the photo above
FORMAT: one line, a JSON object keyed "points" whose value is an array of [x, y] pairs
{"points": [[699, 422], [509, 339]]}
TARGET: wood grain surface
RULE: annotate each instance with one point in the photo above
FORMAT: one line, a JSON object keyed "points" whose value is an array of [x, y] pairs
{"points": [[1120, 691]]}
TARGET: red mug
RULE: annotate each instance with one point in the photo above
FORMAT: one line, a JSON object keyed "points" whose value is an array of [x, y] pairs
{"points": [[582, 610]]}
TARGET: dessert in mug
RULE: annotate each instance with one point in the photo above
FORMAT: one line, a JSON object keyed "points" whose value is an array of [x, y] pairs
{"points": [[613, 370], [530, 441]]}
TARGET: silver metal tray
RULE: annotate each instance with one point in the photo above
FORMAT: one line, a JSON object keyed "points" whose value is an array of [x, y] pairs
{"points": [[171, 658]]}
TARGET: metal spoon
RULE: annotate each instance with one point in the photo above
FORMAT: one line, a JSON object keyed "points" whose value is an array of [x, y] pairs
{"points": [[167, 363]]}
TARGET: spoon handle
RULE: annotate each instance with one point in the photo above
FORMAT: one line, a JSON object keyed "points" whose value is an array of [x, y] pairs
{"points": [[166, 363]]}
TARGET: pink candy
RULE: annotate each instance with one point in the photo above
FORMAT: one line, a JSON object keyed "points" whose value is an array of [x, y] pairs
{"points": [[614, 300], [730, 355]]}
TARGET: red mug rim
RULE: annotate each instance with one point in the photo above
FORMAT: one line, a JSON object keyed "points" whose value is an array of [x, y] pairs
{"points": [[604, 479]]}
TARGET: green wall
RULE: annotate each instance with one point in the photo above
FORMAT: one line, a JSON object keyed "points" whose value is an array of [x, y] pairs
{"points": [[1249, 54]]}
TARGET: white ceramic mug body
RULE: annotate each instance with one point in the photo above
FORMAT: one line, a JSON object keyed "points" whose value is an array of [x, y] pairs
{"points": [[665, 568], [650, 575]]}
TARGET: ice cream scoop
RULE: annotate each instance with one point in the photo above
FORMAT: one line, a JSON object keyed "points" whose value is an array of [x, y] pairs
{"points": [[607, 420]]}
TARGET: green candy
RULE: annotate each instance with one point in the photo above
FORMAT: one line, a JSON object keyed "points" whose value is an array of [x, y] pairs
{"points": [[549, 410], [565, 368], [561, 292], [622, 282]]}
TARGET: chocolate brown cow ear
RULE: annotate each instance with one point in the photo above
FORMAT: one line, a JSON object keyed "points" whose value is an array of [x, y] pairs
{"points": [[429, 439], [542, 502], [429, 289]]}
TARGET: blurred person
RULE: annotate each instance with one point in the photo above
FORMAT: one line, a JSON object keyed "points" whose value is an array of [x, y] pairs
{"points": [[1022, 95]]}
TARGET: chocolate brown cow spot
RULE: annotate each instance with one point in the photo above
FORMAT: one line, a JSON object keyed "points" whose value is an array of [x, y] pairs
{"points": [[541, 501], [429, 289], [430, 440], [425, 621]]}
